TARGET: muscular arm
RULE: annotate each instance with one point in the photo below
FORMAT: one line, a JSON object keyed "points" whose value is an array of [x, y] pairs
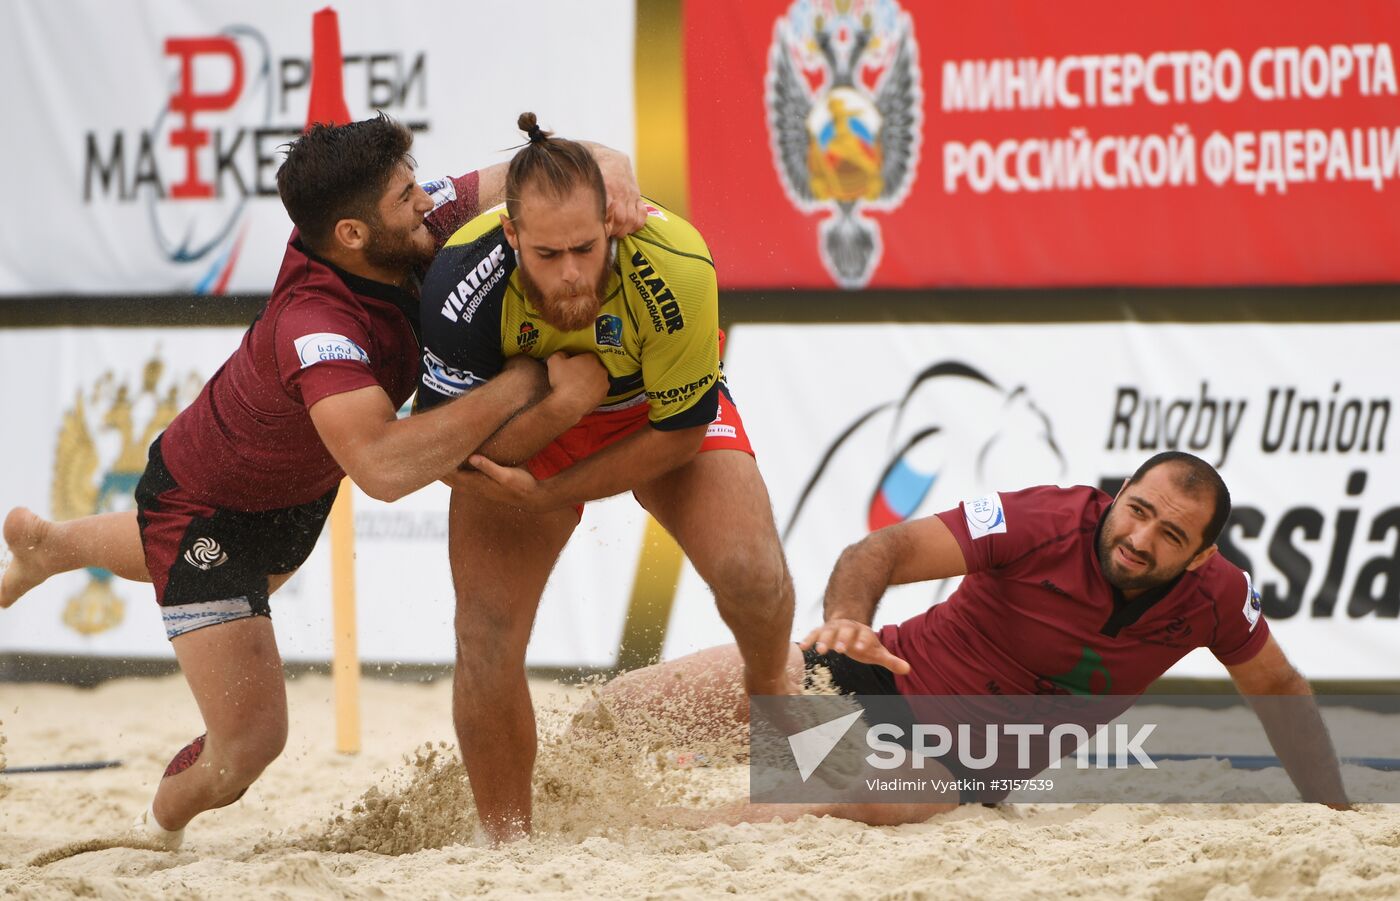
{"points": [[388, 457], [915, 551], [529, 433], [577, 385], [1283, 701], [633, 461]]}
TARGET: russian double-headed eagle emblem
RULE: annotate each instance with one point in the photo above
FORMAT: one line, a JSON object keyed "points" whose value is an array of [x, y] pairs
{"points": [[845, 113], [105, 418]]}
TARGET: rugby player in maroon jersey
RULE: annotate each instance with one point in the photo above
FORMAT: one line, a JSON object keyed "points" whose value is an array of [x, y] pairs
{"points": [[1066, 591], [238, 487]]}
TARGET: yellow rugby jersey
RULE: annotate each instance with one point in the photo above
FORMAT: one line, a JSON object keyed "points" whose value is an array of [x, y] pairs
{"points": [[656, 332]]}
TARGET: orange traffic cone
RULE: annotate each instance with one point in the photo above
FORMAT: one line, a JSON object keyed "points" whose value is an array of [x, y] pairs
{"points": [[327, 104]]}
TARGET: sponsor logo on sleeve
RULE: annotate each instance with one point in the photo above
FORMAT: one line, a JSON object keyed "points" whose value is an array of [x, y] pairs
{"points": [[442, 190], [985, 516], [323, 347], [681, 393], [475, 286], [608, 330], [447, 380], [1252, 605]]}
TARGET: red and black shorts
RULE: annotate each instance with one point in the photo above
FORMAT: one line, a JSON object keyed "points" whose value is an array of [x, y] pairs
{"points": [[600, 429], [210, 565]]}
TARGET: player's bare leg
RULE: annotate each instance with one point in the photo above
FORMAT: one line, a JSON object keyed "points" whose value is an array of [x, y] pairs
{"points": [[501, 558], [40, 548], [700, 695], [717, 508], [235, 673]]}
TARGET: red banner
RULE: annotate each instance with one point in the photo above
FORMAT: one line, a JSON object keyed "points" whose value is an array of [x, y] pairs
{"points": [[881, 143]]}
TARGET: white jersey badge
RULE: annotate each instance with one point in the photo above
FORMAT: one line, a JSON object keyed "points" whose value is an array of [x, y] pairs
{"points": [[985, 516], [1253, 608], [325, 346]]}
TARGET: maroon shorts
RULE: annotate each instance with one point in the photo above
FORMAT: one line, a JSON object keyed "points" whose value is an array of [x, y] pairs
{"points": [[210, 564], [596, 431]]}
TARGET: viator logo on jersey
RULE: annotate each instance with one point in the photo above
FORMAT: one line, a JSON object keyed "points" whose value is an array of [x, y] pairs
{"points": [[661, 304], [475, 285]]}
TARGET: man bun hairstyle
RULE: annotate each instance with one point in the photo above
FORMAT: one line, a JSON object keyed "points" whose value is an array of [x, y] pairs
{"points": [[335, 172], [531, 126], [554, 166], [1193, 475]]}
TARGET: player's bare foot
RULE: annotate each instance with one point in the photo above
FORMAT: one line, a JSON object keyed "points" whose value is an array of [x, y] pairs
{"points": [[24, 532]]}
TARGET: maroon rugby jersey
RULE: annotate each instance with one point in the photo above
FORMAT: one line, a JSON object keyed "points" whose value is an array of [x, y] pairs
{"points": [[247, 442], [1035, 615]]}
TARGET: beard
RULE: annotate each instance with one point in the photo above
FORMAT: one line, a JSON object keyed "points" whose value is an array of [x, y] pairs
{"points": [[402, 250], [568, 308], [1121, 577]]}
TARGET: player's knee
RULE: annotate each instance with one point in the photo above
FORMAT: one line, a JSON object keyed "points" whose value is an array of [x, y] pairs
{"points": [[483, 663], [246, 756], [752, 581]]}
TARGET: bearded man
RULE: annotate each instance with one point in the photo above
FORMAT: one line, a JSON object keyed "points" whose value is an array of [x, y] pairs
{"points": [[543, 277], [1066, 591]]}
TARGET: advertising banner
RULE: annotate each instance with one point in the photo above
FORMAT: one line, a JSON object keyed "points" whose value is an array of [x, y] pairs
{"points": [[77, 442], [857, 426], [146, 134], [890, 143]]}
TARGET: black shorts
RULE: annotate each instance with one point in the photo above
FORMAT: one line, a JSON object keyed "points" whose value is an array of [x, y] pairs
{"points": [[851, 677], [210, 564]]}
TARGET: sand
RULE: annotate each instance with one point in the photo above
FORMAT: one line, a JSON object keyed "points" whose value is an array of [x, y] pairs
{"points": [[311, 827]]}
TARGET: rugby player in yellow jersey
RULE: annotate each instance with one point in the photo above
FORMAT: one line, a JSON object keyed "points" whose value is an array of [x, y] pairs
{"points": [[539, 279]]}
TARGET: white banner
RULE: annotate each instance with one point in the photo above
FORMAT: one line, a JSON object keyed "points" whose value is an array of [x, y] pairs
{"points": [[856, 424], [1300, 419], [76, 443], [144, 135]]}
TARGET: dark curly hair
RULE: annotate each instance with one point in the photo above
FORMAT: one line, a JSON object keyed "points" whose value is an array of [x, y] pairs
{"points": [[336, 172]]}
